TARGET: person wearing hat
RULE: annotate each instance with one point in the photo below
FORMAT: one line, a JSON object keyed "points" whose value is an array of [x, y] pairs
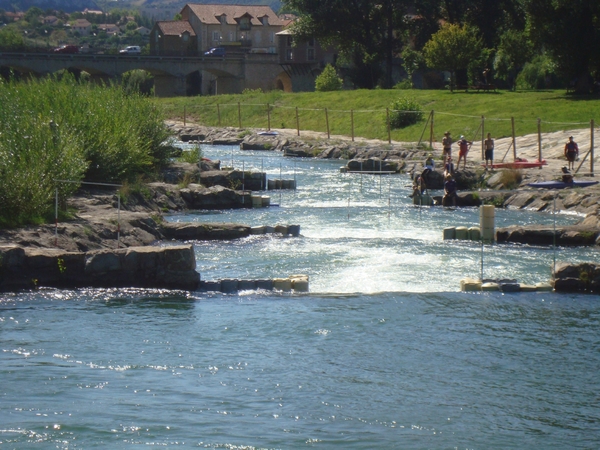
{"points": [[463, 149], [447, 145], [571, 152]]}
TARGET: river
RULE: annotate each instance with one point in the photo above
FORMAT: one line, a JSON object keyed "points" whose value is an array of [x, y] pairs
{"points": [[383, 352]]}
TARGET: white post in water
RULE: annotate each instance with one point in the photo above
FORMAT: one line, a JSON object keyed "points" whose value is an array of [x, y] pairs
{"points": [[486, 222]]}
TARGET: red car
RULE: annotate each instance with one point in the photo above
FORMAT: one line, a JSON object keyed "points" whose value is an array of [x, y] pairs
{"points": [[67, 49]]}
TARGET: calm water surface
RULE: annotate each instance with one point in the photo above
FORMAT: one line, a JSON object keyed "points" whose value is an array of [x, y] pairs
{"points": [[383, 353]]}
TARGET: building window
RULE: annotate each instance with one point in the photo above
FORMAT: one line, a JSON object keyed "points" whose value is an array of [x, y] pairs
{"points": [[244, 23], [311, 42], [310, 54], [272, 37], [264, 20], [231, 36], [289, 54], [223, 19], [289, 41], [216, 36]]}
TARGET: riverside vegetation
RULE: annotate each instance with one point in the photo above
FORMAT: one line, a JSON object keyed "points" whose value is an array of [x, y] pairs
{"points": [[56, 129]]}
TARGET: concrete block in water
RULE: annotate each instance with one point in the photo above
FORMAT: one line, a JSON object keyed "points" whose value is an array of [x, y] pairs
{"points": [[299, 283], [449, 233], [544, 287], [258, 230], [229, 285], [470, 284], [490, 287], [510, 287], [271, 184], [246, 285], [256, 201], [527, 287], [281, 229], [294, 230], [266, 201], [282, 284], [210, 286], [269, 229], [266, 285], [474, 234], [462, 233]]}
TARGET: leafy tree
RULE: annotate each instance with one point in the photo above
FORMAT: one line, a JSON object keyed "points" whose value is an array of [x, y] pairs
{"points": [[453, 48], [11, 39], [411, 61], [514, 51], [33, 14], [367, 32], [570, 31], [328, 80]]}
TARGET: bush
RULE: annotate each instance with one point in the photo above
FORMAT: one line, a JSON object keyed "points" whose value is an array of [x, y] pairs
{"points": [[404, 112], [138, 82], [60, 130], [328, 80], [537, 74], [404, 84]]}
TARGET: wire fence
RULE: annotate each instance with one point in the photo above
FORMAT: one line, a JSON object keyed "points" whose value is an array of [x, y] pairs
{"points": [[342, 122]]}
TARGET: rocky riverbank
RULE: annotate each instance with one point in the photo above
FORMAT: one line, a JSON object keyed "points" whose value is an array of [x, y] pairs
{"points": [[97, 225]]}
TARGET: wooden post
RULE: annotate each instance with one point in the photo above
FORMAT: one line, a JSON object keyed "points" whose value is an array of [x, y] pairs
{"points": [[514, 138], [389, 128], [239, 115], [268, 117], [592, 147], [219, 114], [327, 123], [431, 131], [352, 123], [184, 115], [539, 125], [297, 121]]}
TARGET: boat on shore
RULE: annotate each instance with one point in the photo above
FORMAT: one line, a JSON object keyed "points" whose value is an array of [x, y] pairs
{"points": [[562, 184], [519, 163]]}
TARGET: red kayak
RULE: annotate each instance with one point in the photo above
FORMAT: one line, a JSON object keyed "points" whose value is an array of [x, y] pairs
{"points": [[519, 163]]}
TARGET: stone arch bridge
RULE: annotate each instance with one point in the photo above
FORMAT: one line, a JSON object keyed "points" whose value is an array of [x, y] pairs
{"points": [[173, 75]]}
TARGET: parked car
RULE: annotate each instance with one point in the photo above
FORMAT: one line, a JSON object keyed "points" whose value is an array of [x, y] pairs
{"points": [[67, 49], [131, 50], [215, 51]]}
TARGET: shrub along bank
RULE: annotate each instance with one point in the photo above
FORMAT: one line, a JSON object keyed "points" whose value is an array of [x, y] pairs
{"points": [[61, 130]]}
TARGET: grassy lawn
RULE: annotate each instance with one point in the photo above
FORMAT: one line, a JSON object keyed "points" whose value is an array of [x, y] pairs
{"points": [[458, 112]]}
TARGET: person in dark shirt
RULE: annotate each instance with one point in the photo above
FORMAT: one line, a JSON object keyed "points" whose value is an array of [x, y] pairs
{"points": [[449, 191], [571, 152]]}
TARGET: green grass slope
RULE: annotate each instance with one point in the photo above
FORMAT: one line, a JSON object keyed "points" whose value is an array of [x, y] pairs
{"points": [[364, 111]]}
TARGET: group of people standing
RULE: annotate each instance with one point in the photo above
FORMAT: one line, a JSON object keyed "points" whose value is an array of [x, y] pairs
{"points": [[450, 188], [463, 149]]}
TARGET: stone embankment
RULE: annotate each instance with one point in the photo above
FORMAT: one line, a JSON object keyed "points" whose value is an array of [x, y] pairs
{"points": [[83, 251]]}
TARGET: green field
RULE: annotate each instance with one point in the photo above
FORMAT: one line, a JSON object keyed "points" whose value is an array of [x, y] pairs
{"points": [[458, 112]]}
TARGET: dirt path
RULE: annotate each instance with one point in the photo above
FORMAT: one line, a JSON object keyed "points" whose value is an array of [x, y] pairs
{"points": [[553, 145]]}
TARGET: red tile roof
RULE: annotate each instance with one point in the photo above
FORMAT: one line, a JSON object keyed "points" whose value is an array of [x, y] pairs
{"points": [[175, 27], [209, 14]]}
